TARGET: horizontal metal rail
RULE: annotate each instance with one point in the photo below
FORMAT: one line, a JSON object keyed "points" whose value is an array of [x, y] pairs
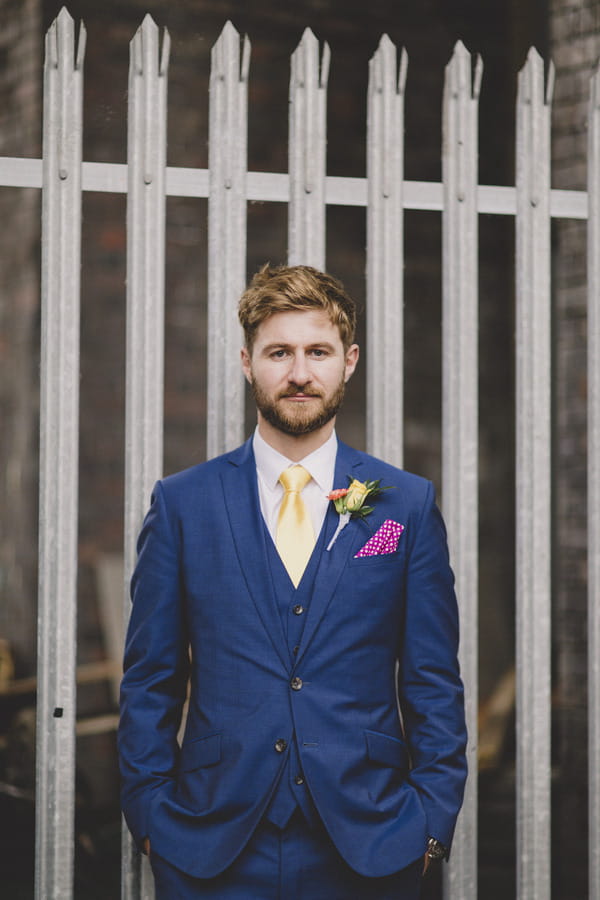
{"points": [[273, 187]]}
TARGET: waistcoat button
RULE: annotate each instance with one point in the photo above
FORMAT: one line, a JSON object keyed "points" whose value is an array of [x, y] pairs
{"points": [[280, 745]]}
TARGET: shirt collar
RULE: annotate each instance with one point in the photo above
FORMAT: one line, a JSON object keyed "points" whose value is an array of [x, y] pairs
{"points": [[320, 463]]}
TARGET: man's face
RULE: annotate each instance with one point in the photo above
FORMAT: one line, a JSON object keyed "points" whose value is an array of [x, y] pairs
{"points": [[298, 370]]}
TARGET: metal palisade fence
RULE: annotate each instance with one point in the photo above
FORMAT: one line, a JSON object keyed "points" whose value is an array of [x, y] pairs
{"points": [[307, 190]]}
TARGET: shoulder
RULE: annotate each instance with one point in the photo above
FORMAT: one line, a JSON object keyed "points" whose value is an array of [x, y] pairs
{"points": [[204, 474]]}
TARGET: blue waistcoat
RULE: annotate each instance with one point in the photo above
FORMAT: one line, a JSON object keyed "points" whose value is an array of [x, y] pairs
{"points": [[292, 790]]}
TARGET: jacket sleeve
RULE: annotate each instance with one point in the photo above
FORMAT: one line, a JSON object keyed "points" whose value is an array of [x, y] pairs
{"points": [[429, 686], [156, 668]]}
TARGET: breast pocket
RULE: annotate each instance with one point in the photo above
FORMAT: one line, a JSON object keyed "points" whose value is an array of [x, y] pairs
{"points": [[380, 559]]}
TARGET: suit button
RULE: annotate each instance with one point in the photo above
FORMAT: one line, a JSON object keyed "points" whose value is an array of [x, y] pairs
{"points": [[296, 684], [297, 609], [299, 779], [280, 745]]}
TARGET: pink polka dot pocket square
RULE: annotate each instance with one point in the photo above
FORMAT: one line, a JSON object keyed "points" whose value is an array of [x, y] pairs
{"points": [[384, 541]]}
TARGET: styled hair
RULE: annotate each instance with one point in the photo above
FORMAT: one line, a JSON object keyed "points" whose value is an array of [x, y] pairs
{"points": [[290, 288]]}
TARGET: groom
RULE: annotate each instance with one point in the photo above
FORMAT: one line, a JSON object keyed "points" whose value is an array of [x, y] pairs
{"points": [[323, 756]]}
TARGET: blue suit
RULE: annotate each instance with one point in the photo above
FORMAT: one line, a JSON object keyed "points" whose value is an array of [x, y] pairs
{"points": [[378, 631]]}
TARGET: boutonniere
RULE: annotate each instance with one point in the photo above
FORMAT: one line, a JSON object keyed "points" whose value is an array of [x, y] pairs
{"points": [[350, 502]]}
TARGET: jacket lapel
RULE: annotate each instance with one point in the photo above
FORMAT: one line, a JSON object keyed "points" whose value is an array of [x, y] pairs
{"points": [[240, 491], [332, 563]]}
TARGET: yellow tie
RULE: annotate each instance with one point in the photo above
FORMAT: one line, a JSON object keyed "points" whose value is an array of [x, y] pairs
{"points": [[295, 536]]}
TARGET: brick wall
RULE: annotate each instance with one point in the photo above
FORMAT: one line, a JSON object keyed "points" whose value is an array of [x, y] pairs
{"points": [[575, 49]]}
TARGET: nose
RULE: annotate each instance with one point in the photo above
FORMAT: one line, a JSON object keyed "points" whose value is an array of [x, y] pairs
{"points": [[299, 372]]}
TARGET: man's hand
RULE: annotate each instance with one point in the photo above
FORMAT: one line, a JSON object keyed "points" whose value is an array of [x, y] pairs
{"points": [[426, 862]]}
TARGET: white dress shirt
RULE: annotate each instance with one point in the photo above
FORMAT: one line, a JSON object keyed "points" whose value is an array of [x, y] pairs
{"points": [[269, 466]]}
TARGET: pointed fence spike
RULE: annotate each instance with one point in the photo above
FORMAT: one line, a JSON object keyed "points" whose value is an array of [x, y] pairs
{"points": [[403, 71], [308, 37], [550, 83], [534, 57], [136, 55], [325, 61], [165, 54], [229, 30], [52, 46], [148, 22], [81, 45], [478, 75], [64, 16], [376, 70], [460, 50], [245, 64]]}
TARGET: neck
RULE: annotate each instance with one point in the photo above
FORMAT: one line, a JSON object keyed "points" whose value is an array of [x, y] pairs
{"points": [[294, 447]]}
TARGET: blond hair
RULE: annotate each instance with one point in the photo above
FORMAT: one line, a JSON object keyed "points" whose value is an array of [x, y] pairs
{"points": [[276, 289]]}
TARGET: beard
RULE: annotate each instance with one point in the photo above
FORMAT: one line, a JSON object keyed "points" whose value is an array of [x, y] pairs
{"points": [[299, 418]]}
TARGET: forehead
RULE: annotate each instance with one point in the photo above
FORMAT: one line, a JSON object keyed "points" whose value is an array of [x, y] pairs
{"points": [[297, 327]]}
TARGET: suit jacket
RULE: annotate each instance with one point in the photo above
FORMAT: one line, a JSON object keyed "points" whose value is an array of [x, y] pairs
{"points": [[380, 635]]}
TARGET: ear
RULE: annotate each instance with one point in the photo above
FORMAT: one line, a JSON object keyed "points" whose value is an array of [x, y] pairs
{"points": [[352, 354], [246, 364]]}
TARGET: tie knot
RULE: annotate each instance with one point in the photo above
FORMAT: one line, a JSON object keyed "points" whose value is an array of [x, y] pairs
{"points": [[294, 479]]}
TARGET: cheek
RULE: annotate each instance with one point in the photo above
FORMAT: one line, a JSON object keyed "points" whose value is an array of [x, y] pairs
{"points": [[266, 380]]}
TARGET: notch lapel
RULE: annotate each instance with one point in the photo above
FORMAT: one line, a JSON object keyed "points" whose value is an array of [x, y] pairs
{"points": [[240, 490], [332, 562]]}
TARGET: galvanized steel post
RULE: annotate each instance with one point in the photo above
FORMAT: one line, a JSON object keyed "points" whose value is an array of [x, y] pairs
{"points": [[385, 253], [593, 263], [533, 481], [460, 414], [59, 438], [307, 153], [146, 144], [226, 239]]}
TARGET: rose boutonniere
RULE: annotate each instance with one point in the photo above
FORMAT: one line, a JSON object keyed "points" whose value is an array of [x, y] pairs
{"points": [[350, 502]]}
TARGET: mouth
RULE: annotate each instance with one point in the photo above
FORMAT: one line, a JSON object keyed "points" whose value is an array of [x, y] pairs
{"points": [[299, 397]]}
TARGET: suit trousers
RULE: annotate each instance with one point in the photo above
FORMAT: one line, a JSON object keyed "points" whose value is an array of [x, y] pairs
{"points": [[298, 862]]}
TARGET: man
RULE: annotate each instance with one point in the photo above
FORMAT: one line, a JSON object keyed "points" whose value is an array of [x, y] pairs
{"points": [[324, 749]]}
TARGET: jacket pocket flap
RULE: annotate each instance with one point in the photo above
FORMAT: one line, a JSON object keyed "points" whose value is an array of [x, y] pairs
{"points": [[204, 751], [383, 748]]}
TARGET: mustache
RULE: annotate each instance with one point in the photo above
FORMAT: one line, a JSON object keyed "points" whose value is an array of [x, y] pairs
{"points": [[299, 389]]}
